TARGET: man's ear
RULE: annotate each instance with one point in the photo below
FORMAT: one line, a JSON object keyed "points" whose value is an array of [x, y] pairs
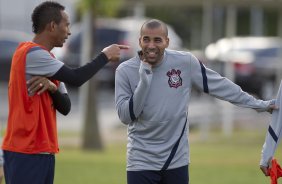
{"points": [[52, 26], [167, 42], [140, 42]]}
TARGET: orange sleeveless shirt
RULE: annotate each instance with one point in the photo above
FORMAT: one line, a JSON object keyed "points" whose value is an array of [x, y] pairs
{"points": [[31, 126]]}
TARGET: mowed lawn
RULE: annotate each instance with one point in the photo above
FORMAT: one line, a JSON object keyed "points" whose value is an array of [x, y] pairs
{"points": [[217, 160]]}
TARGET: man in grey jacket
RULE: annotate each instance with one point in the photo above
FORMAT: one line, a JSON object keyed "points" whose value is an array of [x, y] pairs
{"points": [[152, 93]]}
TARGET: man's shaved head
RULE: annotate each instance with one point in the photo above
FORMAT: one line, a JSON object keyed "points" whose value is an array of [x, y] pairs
{"points": [[154, 23]]}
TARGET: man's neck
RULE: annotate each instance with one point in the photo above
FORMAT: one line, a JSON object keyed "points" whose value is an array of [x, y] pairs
{"points": [[41, 39]]}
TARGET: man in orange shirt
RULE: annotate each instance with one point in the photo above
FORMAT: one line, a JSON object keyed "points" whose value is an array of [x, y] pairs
{"points": [[31, 141]]}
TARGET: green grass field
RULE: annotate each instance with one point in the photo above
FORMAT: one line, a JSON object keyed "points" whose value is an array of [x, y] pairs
{"points": [[218, 160]]}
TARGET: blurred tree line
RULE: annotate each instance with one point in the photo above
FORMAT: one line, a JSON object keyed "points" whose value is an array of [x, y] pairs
{"points": [[183, 18], [187, 20]]}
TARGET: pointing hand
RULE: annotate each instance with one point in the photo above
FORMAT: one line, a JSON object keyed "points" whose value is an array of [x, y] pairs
{"points": [[113, 51]]}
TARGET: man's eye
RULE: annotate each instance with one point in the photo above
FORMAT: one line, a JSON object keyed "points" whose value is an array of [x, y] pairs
{"points": [[145, 39]]}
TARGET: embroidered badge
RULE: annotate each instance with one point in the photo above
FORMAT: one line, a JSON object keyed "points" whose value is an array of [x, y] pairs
{"points": [[174, 79]]}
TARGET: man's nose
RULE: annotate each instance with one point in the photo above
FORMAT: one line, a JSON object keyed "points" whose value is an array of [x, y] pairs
{"points": [[69, 32], [151, 44]]}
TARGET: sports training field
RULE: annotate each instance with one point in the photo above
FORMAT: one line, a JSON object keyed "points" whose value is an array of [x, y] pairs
{"points": [[218, 160]]}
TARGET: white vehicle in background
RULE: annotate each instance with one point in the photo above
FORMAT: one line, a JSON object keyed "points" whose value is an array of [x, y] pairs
{"points": [[256, 60]]}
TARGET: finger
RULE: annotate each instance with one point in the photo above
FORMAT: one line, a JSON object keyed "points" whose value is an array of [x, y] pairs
{"points": [[36, 85], [36, 88], [123, 46], [272, 108], [265, 171], [43, 89], [35, 81], [35, 78], [31, 93], [262, 170]]}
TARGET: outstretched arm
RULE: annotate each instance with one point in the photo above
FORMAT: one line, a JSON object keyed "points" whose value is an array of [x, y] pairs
{"points": [[40, 62], [79, 76], [214, 84]]}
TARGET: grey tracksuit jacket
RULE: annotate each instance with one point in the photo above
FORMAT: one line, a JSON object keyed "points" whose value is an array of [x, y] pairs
{"points": [[273, 135], [153, 103]]}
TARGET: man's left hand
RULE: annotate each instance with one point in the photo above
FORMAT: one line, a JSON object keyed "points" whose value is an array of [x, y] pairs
{"points": [[39, 84], [271, 108]]}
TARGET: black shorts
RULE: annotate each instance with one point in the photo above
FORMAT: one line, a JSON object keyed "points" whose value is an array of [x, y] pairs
{"points": [[172, 176], [28, 168]]}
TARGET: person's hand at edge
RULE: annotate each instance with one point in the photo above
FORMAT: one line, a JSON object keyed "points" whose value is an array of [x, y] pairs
{"points": [[265, 169], [39, 84], [271, 108]]}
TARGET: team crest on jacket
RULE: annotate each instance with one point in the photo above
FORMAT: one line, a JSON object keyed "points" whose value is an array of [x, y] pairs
{"points": [[174, 79]]}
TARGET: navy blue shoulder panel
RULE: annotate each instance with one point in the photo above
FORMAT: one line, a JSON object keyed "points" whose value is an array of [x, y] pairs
{"points": [[132, 115], [205, 79]]}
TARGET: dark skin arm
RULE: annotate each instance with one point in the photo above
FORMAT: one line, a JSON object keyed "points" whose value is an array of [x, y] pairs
{"points": [[78, 76]]}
